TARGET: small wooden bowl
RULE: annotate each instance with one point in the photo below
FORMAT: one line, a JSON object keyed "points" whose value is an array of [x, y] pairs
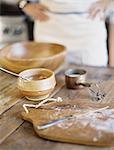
{"points": [[27, 55], [39, 84]]}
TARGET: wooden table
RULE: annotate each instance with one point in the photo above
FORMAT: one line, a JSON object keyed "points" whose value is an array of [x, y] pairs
{"points": [[18, 134]]}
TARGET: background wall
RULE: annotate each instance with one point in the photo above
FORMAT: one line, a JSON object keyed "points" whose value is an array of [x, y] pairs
{"points": [[10, 8], [10, 1]]}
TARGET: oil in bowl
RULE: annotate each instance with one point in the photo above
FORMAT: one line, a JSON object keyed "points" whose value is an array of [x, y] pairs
{"points": [[37, 77]]}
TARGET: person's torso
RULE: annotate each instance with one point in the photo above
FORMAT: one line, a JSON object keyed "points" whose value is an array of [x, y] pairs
{"points": [[68, 5], [71, 29]]}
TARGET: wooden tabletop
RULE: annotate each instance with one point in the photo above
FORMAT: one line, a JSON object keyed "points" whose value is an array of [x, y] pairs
{"points": [[17, 134]]}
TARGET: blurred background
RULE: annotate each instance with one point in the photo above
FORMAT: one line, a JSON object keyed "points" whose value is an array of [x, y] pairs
{"points": [[14, 24]]}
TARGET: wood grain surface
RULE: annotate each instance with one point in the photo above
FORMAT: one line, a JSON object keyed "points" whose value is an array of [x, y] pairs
{"points": [[26, 55], [17, 134], [84, 127]]}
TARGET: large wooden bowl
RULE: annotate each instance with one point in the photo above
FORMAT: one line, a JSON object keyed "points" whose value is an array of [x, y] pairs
{"points": [[26, 55]]}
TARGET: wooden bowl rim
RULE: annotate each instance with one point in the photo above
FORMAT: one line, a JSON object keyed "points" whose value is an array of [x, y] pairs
{"points": [[33, 59], [37, 69]]}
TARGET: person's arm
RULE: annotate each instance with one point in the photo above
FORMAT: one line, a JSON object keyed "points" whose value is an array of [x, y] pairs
{"points": [[101, 6], [105, 7], [111, 44], [34, 9]]}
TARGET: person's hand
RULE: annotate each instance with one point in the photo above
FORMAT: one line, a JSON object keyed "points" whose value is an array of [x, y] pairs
{"points": [[36, 11], [100, 7]]}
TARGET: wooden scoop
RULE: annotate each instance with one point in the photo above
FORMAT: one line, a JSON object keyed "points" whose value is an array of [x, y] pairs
{"points": [[12, 73]]}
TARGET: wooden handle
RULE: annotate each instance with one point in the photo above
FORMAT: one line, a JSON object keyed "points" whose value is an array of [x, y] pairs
{"points": [[84, 84]]}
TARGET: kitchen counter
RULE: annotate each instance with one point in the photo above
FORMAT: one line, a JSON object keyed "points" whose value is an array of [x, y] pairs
{"points": [[18, 134]]}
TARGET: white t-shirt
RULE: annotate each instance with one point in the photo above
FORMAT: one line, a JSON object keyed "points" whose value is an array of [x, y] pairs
{"points": [[84, 38], [68, 5]]}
